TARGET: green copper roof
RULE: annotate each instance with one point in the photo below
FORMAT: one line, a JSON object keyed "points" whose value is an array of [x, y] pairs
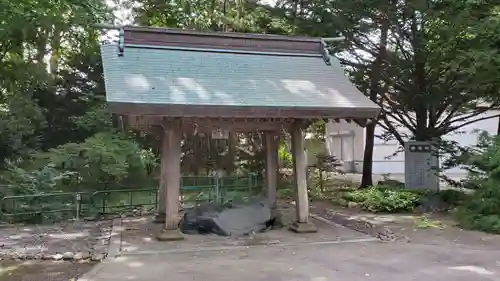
{"points": [[187, 77]]}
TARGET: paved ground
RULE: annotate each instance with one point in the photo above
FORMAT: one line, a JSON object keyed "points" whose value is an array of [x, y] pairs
{"points": [[281, 255], [318, 262], [138, 238]]}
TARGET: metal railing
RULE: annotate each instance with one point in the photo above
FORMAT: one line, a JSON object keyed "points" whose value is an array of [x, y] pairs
{"points": [[61, 206]]}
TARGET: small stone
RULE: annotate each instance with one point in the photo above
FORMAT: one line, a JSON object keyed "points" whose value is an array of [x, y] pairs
{"points": [[57, 257], [14, 255], [46, 256], [97, 257], [81, 256], [343, 202], [86, 255], [101, 249], [68, 256], [29, 256], [78, 256], [351, 204]]}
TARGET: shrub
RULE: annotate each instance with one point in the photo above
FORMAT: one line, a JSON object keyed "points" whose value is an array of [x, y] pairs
{"points": [[384, 199], [452, 197], [482, 210]]}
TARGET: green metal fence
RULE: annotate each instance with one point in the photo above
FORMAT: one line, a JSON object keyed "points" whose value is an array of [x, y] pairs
{"points": [[61, 206], [44, 207]]}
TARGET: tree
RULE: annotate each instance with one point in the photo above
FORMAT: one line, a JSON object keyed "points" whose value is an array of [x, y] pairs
{"points": [[42, 83], [439, 72], [440, 76]]}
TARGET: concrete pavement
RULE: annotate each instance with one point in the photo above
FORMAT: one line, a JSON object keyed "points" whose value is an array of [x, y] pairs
{"points": [[334, 253], [325, 261]]}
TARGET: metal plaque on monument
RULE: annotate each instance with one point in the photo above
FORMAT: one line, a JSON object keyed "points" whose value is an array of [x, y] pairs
{"points": [[421, 166]]}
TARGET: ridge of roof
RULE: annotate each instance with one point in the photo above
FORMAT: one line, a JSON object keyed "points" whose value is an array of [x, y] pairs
{"points": [[257, 36]]}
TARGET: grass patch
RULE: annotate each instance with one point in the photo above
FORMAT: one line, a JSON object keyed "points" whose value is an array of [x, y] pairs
{"points": [[425, 223], [384, 199]]}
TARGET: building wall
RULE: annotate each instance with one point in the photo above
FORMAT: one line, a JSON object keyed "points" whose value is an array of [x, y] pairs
{"points": [[347, 140]]}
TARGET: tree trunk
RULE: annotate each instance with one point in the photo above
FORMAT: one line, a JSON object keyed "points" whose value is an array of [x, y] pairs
{"points": [[367, 179], [498, 128]]}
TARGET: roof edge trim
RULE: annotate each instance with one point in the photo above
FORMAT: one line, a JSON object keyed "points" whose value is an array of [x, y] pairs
{"points": [[232, 111], [189, 49], [257, 36]]}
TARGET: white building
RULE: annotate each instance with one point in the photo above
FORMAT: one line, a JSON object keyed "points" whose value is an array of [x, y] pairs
{"points": [[347, 141]]}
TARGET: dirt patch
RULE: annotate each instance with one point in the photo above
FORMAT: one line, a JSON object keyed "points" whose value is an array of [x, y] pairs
{"points": [[325, 211], [69, 241], [429, 229], [42, 270], [441, 229]]}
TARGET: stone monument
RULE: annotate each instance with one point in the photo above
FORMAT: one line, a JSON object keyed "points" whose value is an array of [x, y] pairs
{"points": [[421, 166]]}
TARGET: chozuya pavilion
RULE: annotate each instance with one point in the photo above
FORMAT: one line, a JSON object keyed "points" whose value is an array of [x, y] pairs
{"points": [[177, 82]]}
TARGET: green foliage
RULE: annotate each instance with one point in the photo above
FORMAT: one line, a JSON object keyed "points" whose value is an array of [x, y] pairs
{"points": [[384, 199], [442, 59], [285, 156], [453, 197], [20, 120], [437, 70], [285, 191], [43, 180], [103, 159], [96, 119], [481, 210], [483, 160]]}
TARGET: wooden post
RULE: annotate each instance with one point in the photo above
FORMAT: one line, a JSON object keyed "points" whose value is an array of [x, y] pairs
{"points": [[171, 173], [302, 225], [162, 196], [271, 139]]}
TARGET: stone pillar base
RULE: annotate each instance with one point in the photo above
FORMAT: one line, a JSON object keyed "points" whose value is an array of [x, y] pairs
{"points": [[169, 235], [159, 218], [303, 227]]}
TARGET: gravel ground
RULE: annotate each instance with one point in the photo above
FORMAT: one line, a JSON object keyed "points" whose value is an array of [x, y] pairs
{"points": [[439, 229], [68, 241], [42, 270]]}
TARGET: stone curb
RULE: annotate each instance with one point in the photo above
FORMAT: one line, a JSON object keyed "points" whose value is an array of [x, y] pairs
{"points": [[115, 241], [317, 217]]}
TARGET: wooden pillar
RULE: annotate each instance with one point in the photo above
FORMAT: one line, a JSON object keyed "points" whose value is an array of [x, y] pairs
{"points": [[271, 139], [162, 196], [171, 176], [302, 225], [161, 212]]}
